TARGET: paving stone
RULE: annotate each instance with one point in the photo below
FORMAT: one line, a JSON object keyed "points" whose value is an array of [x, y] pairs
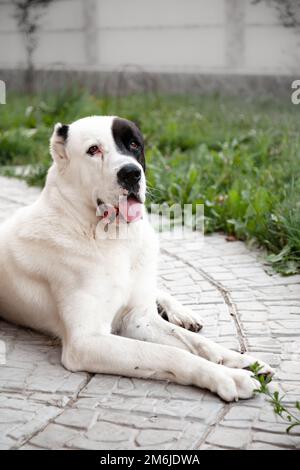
{"points": [[28, 427], [285, 440], [229, 437], [157, 438], [253, 316], [44, 406], [139, 421], [271, 427], [53, 437], [110, 432], [239, 413], [263, 446], [81, 419]]}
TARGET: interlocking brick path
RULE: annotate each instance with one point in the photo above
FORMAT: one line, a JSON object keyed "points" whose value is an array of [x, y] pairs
{"points": [[42, 405]]}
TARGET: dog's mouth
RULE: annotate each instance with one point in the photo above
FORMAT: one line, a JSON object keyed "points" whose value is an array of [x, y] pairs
{"points": [[134, 198], [129, 209]]}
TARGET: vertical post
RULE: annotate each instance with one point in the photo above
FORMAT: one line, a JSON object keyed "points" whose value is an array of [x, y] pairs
{"points": [[235, 33], [91, 31], [2, 92]]}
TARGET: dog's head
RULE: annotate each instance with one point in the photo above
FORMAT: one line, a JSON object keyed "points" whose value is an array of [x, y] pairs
{"points": [[103, 158]]}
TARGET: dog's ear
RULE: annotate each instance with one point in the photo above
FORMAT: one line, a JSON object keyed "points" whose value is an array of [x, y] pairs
{"points": [[58, 143]]}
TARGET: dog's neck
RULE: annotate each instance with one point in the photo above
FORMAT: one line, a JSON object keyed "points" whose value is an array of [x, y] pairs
{"points": [[80, 213]]}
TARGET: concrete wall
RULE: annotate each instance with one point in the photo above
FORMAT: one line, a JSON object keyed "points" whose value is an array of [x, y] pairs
{"points": [[61, 37], [177, 36]]}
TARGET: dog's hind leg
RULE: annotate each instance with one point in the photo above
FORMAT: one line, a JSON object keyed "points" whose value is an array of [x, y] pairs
{"points": [[173, 311]]}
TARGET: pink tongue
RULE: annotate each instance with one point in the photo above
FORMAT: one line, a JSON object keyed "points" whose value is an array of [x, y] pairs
{"points": [[130, 209]]}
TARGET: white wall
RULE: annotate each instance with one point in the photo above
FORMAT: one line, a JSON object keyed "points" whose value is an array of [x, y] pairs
{"points": [[61, 36], [217, 36]]}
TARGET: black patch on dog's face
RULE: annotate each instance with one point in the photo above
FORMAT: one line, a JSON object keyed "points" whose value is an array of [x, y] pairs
{"points": [[63, 131], [129, 139]]}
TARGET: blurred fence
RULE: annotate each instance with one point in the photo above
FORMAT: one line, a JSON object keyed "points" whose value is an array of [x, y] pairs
{"points": [[142, 37]]}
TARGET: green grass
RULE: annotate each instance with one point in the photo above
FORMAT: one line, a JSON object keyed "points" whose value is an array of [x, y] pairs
{"points": [[239, 157]]}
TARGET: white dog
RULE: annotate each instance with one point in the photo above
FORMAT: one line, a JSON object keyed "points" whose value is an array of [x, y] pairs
{"points": [[64, 272]]}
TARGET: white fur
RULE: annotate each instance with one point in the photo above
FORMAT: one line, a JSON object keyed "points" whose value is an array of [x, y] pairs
{"points": [[63, 274]]}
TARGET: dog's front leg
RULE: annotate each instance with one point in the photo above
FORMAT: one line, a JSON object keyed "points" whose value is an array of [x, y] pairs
{"points": [[173, 311], [148, 326], [111, 354], [89, 346]]}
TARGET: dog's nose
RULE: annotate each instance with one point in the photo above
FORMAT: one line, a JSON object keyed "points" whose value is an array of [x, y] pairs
{"points": [[129, 175]]}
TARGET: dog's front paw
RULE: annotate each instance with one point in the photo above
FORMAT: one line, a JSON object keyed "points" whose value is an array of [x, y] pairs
{"points": [[264, 368], [244, 361], [236, 384], [185, 318], [236, 360]]}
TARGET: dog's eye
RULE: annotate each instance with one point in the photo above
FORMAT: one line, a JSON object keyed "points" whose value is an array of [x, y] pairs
{"points": [[93, 150], [133, 145]]}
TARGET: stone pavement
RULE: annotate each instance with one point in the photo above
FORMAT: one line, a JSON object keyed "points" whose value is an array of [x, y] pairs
{"points": [[43, 406]]}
